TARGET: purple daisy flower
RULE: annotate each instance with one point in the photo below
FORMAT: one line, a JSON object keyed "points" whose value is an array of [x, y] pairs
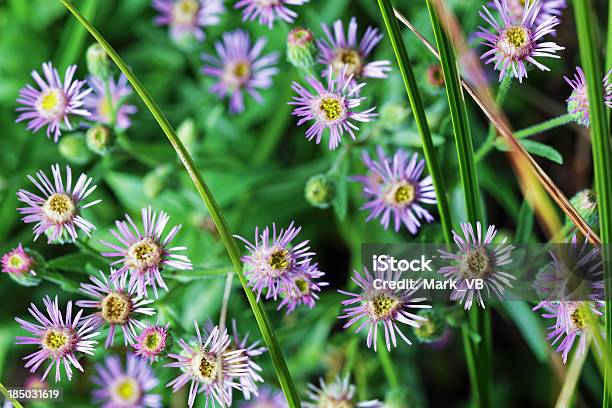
{"points": [[18, 262], [394, 188], [578, 101], [331, 108], [309, 287], [108, 103], [121, 388], [516, 43], [188, 17], [340, 393], [477, 258], [145, 255], [339, 51], [267, 398], [387, 306], [208, 364], [58, 338], [152, 342], [117, 305], [240, 68], [52, 104], [273, 262], [571, 323], [58, 211], [266, 11]]}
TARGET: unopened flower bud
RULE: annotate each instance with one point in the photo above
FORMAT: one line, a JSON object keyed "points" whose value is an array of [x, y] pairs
{"points": [[433, 328], [74, 148], [319, 191], [156, 180], [98, 62], [300, 48], [585, 202], [100, 139]]}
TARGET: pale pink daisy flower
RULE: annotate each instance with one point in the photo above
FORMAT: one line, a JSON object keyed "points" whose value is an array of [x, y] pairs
{"points": [[267, 11]]}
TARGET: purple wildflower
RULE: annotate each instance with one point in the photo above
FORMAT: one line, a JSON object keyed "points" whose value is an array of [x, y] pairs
{"points": [[340, 393], [273, 262], [116, 305], [477, 258], [152, 342], [58, 338], [387, 306], [578, 101], [394, 188], [125, 388], [331, 107], [188, 17], [145, 255], [18, 262], [515, 43], [267, 398], [266, 11], [248, 381], [108, 103], [58, 210], [240, 68], [208, 364], [309, 287], [571, 323], [54, 102], [338, 51]]}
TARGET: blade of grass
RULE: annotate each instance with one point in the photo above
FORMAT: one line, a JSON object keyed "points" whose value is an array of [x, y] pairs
{"points": [[524, 165], [261, 316], [571, 379], [479, 319], [419, 114], [586, 27]]}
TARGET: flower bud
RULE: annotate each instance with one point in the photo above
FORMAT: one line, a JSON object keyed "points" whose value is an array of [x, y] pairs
{"points": [[319, 191], [100, 139], [300, 48], [393, 115], [22, 264], [585, 202], [74, 148], [433, 328], [98, 62]]}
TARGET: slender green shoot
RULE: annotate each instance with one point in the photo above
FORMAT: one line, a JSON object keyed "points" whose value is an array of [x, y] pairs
{"points": [[586, 26], [261, 316]]}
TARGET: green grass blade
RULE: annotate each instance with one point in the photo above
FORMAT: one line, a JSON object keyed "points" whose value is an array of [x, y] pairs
{"points": [[419, 114], [261, 316], [586, 26], [480, 320]]}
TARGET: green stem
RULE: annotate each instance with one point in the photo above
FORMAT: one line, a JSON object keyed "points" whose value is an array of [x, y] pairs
{"points": [[5, 392], [586, 26], [261, 316], [416, 104], [544, 126], [480, 320], [489, 142], [387, 365]]}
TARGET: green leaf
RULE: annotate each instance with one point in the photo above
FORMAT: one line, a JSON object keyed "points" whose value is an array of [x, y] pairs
{"points": [[533, 147], [528, 324], [524, 225], [199, 274], [76, 262], [340, 201]]}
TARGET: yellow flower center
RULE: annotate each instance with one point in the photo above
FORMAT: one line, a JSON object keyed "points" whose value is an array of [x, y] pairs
{"points": [[59, 208], [242, 70], [331, 108], [279, 260], [517, 36], [383, 305], [303, 286], [349, 58], [475, 264], [127, 390], [331, 402], [152, 341], [579, 317], [206, 368], [116, 308], [51, 103], [54, 340], [403, 194], [515, 42], [144, 254], [185, 12], [16, 261]]}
